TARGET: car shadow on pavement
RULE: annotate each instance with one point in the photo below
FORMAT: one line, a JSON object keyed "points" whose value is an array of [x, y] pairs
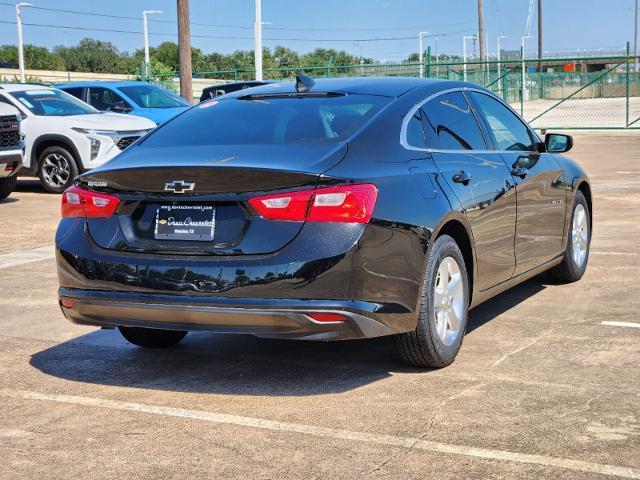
{"points": [[243, 364], [30, 185]]}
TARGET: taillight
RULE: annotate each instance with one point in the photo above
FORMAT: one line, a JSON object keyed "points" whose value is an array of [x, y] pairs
{"points": [[77, 202], [345, 204]]}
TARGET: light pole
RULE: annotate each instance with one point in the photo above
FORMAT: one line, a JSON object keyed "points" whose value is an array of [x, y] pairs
{"points": [[146, 39], [421, 52], [500, 38], [257, 34], [635, 36], [20, 47], [464, 54], [523, 73]]}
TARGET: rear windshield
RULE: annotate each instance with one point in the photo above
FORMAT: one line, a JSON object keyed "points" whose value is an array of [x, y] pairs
{"points": [[269, 121]]}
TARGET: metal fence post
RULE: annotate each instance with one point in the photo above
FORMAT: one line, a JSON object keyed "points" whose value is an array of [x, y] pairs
{"points": [[522, 80], [428, 62], [235, 72], [628, 86]]}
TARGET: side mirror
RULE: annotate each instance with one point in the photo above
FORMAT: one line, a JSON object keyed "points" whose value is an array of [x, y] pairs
{"points": [[120, 107], [558, 143]]}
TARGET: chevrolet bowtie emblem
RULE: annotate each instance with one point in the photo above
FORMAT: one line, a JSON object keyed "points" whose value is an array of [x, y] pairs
{"points": [[179, 186]]}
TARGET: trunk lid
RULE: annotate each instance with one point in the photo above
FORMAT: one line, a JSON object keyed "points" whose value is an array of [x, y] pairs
{"points": [[210, 184]]}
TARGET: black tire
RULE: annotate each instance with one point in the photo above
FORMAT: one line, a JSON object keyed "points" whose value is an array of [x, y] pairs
{"points": [[152, 337], [423, 347], [52, 180], [569, 271], [7, 185]]}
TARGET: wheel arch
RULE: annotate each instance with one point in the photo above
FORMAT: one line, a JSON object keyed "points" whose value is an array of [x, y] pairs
{"points": [[43, 142], [585, 188], [456, 226]]}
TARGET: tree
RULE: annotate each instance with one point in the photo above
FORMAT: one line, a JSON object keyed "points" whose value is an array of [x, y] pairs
{"points": [[35, 58], [90, 56]]}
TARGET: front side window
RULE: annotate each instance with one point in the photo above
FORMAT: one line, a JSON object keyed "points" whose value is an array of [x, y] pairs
{"points": [[150, 96], [268, 121], [104, 99], [76, 92], [451, 124], [51, 102], [510, 132]]}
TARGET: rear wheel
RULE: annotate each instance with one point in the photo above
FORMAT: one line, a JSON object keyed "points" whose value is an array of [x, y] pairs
{"points": [[576, 256], [151, 337], [7, 185], [56, 169], [443, 312]]}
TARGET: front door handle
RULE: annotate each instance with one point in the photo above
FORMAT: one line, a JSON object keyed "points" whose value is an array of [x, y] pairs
{"points": [[462, 177], [519, 172]]}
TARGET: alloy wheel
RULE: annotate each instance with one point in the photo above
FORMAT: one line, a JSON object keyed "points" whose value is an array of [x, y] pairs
{"points": [[579, 235], [448, 299], [56, 170]]}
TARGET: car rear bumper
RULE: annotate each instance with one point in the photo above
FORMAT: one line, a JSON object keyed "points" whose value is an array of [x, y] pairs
{"points": [[280, 318]]}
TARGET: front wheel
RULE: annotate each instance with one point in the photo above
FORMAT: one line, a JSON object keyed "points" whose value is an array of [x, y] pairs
{"points": [[576, 256], [442, 319], [56, 169], [7, 185], [151, 337]]}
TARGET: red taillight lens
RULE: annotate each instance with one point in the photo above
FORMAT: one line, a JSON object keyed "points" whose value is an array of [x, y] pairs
{"points": [[291, 206], [328, 317], [345, 204], [77, 202]]}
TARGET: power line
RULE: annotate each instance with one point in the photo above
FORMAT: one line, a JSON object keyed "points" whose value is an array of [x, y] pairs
{"points": [[226, 37], [242, 27]]}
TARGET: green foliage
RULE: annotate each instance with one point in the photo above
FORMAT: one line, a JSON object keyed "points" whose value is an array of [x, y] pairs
{"points": [[98, 56]]}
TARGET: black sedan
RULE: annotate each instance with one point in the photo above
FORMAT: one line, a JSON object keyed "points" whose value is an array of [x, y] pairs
{"points": [[346, 208]]}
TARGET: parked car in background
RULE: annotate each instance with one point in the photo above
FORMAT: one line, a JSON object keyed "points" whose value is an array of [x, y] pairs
{"points": [[64, 136], [224, 88], [11, 148], [135, 98], [340, 209]]}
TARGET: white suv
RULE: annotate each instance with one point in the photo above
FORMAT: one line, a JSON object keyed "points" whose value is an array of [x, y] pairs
{"points": [[64, 136], [11, 149]]}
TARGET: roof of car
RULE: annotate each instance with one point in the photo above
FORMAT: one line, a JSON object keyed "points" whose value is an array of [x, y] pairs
{"points": [[20, 87], [99, 83], [385, 86]]}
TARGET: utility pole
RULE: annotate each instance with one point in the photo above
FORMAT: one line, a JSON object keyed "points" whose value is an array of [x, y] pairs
{"points": [[481, 35], [184, 50], [257, 37], [20, 46], [145, 30], [421, 52]]}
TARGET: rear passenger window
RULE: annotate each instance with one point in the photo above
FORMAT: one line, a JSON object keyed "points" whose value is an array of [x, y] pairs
{"points": [[415, 131], [451, 124]]}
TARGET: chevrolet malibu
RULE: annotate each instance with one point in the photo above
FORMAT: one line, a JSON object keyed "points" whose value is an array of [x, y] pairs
{"points": [[340, 209]]}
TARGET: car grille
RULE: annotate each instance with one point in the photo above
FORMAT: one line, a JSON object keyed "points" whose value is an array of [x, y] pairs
{"points": [[126, 141], [9, 131]]}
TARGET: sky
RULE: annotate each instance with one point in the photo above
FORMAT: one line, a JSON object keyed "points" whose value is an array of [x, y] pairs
{"points": [[372, 28]]}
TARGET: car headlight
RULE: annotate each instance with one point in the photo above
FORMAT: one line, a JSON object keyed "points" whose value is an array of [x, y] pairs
{"points": [[91, 131]]}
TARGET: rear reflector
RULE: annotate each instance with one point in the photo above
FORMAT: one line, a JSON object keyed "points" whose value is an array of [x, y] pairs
{"points": [[67, 303], [345, 204], [77, 202], [328, 317]]}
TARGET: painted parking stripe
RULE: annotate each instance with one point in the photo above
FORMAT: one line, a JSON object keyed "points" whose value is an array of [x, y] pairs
{"points": [[26, 256], [621, 324], [379, 439]]}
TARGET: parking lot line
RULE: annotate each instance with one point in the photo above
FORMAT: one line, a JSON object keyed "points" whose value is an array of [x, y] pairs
{"points": [[621, 324], [26, 256], [380, 439]]}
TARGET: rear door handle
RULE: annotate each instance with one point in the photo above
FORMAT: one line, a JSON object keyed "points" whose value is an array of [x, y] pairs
{"points": [[519, 172], [462, 177]]}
